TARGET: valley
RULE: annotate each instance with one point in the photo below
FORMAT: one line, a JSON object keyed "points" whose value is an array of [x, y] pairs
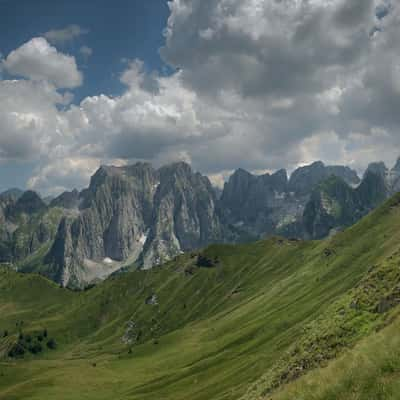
{"points": [[257, 317]]}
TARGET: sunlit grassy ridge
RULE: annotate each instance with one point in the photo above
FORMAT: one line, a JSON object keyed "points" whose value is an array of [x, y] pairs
{"points": [[265, 314]]}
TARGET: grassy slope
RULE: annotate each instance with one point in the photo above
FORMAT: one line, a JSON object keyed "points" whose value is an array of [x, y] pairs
{"points": [[369, 371], [267, 313]]}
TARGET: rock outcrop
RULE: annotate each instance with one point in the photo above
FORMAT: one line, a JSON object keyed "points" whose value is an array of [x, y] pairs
{"points": [[273, 204], [26, 224], [304, 179], [134, 214], [335, 204], [67, 200]]}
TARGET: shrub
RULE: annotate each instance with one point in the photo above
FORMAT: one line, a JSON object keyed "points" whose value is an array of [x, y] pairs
{"points": [[205, 262], [16, 351], [51, 344], [36, 348]]}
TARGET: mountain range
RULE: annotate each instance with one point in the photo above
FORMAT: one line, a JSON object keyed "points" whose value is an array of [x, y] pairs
{"points": [[139, 217]]}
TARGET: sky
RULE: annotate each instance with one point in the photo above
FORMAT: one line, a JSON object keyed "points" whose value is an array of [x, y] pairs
{"points": [[220, 84]]}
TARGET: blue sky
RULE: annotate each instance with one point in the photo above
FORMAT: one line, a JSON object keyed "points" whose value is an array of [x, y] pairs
{"points": [[117, 29], [220, 84]]}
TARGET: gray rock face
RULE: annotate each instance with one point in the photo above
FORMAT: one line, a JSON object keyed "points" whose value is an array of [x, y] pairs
{"points": [[254, 203], [11, 194], [304, 179], [335, 205], [25, 225], [67, 200], [134, 214], [184, 215], [272, 204], [28, 203]]}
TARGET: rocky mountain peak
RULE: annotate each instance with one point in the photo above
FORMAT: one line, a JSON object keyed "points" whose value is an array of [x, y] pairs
{"points": [[29, 203], [304, 179], [236, 188], [378, 168], [179, 169], [139, 214], [67, 200], [279, 180], [11, 194], [397, 166]]}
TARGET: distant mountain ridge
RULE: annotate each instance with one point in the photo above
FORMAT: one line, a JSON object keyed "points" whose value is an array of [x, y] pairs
{"points": [[139, 215], [274, 204]]}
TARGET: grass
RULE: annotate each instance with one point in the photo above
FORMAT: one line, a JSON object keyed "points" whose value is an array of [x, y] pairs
{"points": [[267, 313], [369, 371]]}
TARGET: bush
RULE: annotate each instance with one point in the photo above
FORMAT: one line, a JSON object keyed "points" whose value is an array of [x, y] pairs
{"points": [[5, 334], [205, 262], [36, 348], [16, 351], [51, 344]]}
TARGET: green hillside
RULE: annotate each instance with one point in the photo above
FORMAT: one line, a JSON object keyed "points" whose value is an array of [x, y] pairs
{"points": [[369, 371], [240, 321]]}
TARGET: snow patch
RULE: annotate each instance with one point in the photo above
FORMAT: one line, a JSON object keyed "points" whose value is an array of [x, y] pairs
{"points": [[238, 224], [143, 239]]}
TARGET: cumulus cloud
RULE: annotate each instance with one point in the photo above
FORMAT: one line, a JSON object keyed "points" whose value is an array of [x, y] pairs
{"points": [[258, 84], [154, 113], [293, 70], [67, 34], [29, 119], [38, 60], [62, 174]]}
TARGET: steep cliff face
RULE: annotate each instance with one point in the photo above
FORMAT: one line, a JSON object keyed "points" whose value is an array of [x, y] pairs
{"points": [[254, 203], [334, 204], [26, 224], [272, 204], [134, 214], [304, 179], [184, 214], [394, 178], [67, 200]]}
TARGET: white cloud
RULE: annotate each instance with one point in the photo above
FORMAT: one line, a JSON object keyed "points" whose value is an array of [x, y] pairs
{"points": [[30, 123], [260, 85], [61, 174], [62, 36], [37, 60], [86, 51]]}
